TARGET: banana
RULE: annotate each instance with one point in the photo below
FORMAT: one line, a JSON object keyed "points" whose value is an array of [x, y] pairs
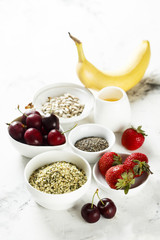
{"points": [[95, 79]]}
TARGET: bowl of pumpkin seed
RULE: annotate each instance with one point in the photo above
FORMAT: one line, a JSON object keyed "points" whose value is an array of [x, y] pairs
{"points": [[71, 103], [57, 179]]}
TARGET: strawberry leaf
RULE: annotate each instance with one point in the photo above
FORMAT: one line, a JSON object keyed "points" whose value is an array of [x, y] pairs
{"points": [[141, 167], [117, 160], [139, 130], [125, 182]]}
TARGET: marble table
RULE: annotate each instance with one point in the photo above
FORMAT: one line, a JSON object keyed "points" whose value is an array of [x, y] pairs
{"points": [[35, 50]]}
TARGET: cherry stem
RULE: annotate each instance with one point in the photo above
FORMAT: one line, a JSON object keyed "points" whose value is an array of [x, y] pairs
{"points": [[70, 129], [99, 197], [21, 111], [8, 124], [93, 197]]}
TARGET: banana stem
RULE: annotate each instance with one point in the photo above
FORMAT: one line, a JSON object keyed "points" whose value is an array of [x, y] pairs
{"points": [[74, 39], [78, 43]]}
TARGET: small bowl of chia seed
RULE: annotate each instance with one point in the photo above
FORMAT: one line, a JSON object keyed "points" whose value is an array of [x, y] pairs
{"points": [[91, 141]]}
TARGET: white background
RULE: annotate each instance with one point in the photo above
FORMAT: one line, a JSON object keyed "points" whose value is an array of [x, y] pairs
{"points": [[35, 50]]}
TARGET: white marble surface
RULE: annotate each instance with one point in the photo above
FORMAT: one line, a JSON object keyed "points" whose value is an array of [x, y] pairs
{"points": [[35, 50]]}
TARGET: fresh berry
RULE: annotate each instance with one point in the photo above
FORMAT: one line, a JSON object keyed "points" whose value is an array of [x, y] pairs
{"points": [[34, 120], [55, 137], [33, 136], [107, 207], [137, 163], [16, 130], [118, 177], [108, 160], [50, 122], [90, 212], [45, 140], [133, 138], [27, 113]]}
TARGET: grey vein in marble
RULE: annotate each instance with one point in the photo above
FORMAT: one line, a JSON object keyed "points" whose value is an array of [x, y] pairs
{"points": [[147, 85]]}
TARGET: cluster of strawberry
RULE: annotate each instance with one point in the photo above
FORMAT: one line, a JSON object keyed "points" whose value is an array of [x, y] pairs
{"points": [[121, 174]]}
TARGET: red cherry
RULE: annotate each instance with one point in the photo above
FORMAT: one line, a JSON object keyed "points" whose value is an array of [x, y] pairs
{"points": [[27, 113], [107, 208], [33, 136], [16, 130], [90, 213], [55, 137], [45, 140], [34, 120], [50, 122]]}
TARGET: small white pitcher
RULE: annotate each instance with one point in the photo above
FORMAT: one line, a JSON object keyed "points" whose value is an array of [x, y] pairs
{"points": [[112, 109]]}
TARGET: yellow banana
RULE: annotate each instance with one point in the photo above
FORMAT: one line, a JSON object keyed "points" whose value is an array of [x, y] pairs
{"points": [[93, 78]]}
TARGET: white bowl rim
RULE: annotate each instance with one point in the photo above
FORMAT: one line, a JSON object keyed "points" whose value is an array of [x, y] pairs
{"points": [[57, 195], [111, 87], [90, 124], [64, 85]]}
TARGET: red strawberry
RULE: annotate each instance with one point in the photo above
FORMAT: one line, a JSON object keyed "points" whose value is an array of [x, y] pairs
{"points": [[137, 163], [108, 160], [118, 177], [133, 138]]}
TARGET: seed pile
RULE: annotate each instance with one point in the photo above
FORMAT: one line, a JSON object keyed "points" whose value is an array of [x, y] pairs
{"points": [[92, 144], [65, 106], [58, 178]]}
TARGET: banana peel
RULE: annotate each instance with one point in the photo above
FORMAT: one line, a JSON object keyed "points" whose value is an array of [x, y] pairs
{"points": [[95, 79]]}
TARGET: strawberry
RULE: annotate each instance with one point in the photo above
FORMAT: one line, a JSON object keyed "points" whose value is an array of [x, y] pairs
{"points": [[133, 138], [137, 163], [108, 160], [118, 177]]}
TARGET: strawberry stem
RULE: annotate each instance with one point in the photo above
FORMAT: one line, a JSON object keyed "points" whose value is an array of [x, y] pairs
{"points": [[139, 130], [141, 167], [125, 182]]}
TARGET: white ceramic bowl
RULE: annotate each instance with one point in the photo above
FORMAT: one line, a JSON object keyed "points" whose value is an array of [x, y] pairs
{"points": [[57, 201], [88, 130], [30, 150], [58, 89], [101, 182]]}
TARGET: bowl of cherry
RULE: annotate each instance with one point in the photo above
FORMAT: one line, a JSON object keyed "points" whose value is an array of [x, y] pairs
{"points": [[31, 133]]}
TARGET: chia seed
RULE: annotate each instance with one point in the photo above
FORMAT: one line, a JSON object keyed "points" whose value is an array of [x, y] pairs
{"points": [[92, 144]]}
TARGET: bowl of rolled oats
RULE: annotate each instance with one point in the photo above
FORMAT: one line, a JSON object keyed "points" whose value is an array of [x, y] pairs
{"points": [[57, 179], [70, 102]]}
